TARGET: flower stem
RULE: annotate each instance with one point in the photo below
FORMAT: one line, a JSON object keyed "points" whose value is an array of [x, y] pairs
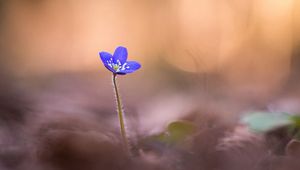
{"points": [[120, 113]]}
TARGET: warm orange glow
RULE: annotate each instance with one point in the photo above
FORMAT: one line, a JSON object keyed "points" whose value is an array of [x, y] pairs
{"points": [[253, 38]]}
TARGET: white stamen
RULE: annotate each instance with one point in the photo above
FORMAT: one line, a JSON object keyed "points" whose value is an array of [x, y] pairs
{"points": [[118, 61]]}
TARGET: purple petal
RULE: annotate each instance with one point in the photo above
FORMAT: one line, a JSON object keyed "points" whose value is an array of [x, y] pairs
{"points": [[129, 67], [105, 56], [120, 55], [106, 59]]}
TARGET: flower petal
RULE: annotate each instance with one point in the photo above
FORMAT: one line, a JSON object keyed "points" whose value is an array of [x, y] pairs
{"points": [[120, 55], [107, 60], [105, 56], [129, 67]]}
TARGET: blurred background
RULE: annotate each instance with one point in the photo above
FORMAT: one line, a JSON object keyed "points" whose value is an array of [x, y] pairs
{"points": [[207, 61], [219, 56]]}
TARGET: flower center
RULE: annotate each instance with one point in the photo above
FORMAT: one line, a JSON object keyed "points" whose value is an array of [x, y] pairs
{"points": [[116, 67]]}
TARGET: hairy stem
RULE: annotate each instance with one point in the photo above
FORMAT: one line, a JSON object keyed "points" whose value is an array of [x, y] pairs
{"points": [[120, 113]]}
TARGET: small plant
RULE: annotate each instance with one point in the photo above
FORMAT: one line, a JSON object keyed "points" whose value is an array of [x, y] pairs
{"points": [[266, 121], [118, 65]]}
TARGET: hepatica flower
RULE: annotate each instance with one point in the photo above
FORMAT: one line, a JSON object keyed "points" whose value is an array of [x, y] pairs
{"points": [[117, 63]]}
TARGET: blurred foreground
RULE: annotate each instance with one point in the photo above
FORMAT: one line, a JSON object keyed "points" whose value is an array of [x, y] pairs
{"points": [[68, 122]]}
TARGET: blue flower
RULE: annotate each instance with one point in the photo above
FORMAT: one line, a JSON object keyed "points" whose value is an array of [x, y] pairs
{"points": [[117, 63]]}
